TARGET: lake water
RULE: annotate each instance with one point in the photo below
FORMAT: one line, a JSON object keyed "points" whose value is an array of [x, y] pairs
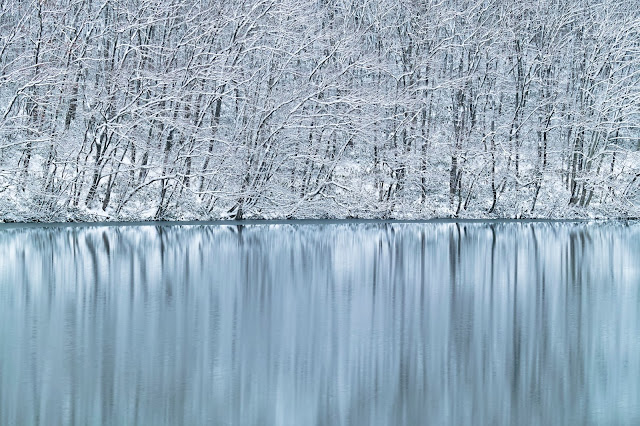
{"points": [[479, 323]]}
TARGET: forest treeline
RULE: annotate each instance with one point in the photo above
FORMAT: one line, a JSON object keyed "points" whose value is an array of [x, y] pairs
{"points": [[178, 109]]}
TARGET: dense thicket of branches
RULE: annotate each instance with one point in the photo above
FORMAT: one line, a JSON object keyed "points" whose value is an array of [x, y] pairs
{"points": [[300, 108]]}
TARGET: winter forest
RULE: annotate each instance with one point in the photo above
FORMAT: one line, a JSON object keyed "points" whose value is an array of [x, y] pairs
{"points": [[211, 109]]}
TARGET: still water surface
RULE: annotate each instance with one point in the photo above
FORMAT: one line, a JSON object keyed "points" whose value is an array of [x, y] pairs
{"points": [[326, 324]]}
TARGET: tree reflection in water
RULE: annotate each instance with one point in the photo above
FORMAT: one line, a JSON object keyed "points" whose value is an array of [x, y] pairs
{"points": [[371, 323]]}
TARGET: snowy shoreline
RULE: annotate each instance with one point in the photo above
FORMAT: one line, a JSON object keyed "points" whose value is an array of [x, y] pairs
{"points": [[330, 221]]}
